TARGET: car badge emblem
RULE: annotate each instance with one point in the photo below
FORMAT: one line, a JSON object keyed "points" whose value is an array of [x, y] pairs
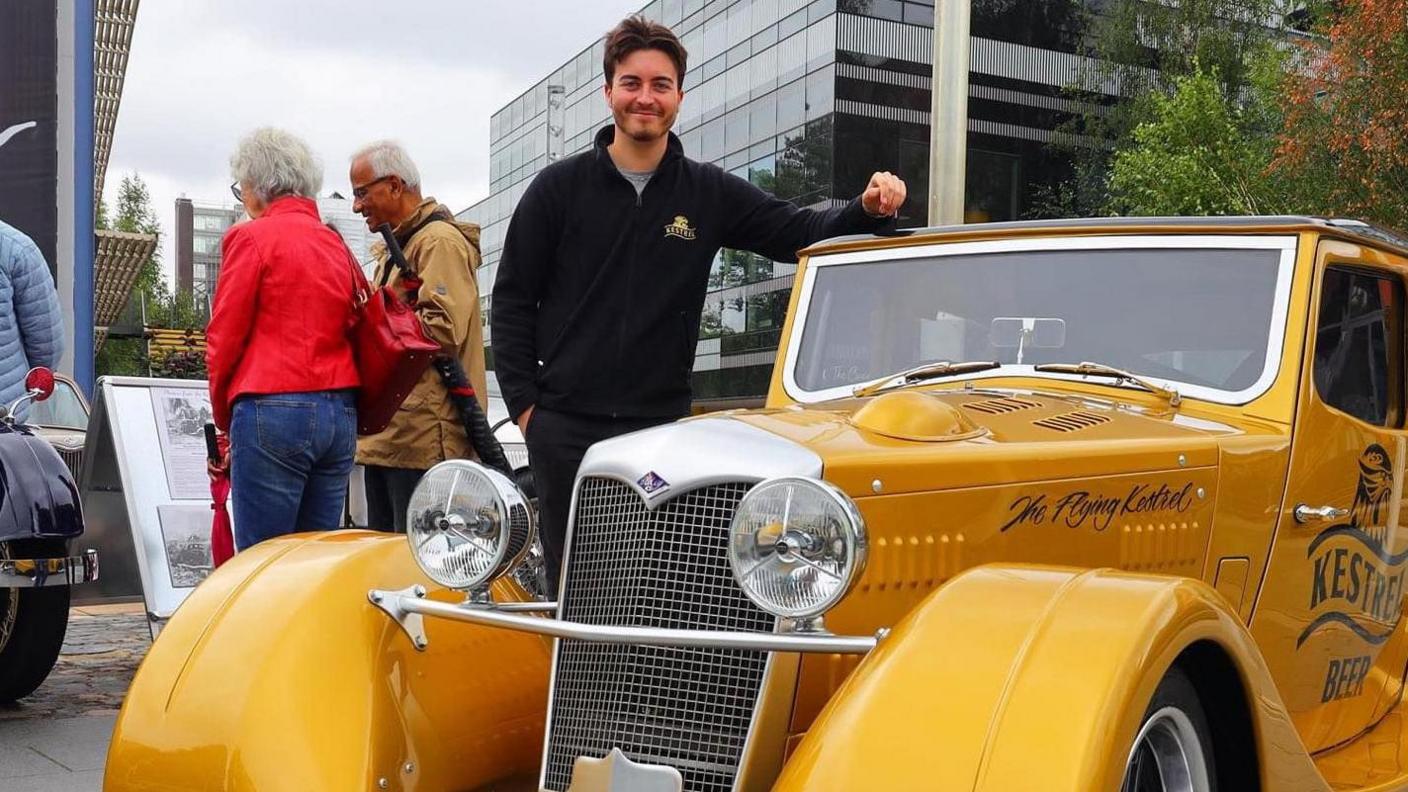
{"points": [[651, 483], [680, 228]]}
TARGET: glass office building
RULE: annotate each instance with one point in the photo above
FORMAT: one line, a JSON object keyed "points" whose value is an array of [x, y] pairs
{"points": [[806, 99]]}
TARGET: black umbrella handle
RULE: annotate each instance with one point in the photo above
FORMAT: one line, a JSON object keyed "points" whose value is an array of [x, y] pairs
{"points": [[212, 448]]}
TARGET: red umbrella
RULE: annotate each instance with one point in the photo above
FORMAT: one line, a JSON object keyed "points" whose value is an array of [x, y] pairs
{"points": [[222, 539]]}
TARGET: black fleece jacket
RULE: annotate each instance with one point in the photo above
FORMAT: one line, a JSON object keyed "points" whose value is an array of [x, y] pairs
{"points": [[597, 301]]}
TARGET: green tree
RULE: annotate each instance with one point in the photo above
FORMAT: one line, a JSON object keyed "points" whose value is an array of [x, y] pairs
{"points": [[1317, 128], [1344, 135], [1140, 49], [1200, 153], [152, 297]]}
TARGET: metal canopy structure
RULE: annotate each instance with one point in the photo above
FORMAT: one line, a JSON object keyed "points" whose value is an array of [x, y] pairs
{"points": [[118, 256], [112, 40], [119, 260]]}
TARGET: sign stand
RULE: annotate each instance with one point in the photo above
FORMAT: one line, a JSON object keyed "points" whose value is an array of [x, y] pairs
{"points": [[146, 496]]}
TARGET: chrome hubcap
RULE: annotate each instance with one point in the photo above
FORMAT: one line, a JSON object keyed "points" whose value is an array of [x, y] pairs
{"points": [[1167, 756]]}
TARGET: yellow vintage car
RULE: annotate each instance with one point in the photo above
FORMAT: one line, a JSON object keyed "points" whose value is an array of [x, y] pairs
{"points": [[1069, 505]]}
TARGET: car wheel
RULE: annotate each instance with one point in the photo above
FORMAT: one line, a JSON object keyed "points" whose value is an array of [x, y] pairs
{"points": [[1173, 751], [32, 624]]}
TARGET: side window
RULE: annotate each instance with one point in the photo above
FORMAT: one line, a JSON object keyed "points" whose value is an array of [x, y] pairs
{"points": [[1358, 351]]}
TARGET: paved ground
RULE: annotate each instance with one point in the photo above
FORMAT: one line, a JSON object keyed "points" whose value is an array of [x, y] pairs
{"points": [[57, 738]]}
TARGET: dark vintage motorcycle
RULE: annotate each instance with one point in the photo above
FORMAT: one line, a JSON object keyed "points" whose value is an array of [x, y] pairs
{"points": [[40, 516]]}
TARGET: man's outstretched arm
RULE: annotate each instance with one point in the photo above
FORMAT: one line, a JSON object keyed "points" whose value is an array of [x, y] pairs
{"points": [[778, 229]]}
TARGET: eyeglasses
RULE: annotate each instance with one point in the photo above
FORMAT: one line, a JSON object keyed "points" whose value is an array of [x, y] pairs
{"points": [[238, 193], [361, 192]]}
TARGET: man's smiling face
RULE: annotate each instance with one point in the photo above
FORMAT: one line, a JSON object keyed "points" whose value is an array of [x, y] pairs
{"points": [[645, 95]]}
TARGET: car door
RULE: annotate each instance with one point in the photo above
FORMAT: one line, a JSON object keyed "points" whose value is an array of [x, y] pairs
{"points": [[1329, 614]]}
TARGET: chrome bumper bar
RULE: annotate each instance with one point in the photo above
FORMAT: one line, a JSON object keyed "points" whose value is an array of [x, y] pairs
{"points": [[407, 607], [36, 572]]}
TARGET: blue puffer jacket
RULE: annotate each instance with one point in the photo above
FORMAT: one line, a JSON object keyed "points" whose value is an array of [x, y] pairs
{"points": [[31, 327]]}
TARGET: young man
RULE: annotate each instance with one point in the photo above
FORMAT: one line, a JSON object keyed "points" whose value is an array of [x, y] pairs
{"points": [[445, 254], [605, 266]]}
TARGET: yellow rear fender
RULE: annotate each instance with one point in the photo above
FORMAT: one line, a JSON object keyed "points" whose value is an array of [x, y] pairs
{"points": [[1027, 677], [278, 674]]}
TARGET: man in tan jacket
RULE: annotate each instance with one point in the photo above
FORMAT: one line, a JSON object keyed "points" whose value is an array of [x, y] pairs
{"points": [[445, 256]]}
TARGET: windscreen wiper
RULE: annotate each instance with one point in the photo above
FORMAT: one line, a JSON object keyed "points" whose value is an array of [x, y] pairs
{"points": [[1120, 375], [921, 373]]}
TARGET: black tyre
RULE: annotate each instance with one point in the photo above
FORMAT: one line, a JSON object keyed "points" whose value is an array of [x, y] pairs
{"points": [[32, 624], [1173, 750]]}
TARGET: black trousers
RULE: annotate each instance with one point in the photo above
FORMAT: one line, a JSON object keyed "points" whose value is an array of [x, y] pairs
{"points": [[389, 495], [557, 441]]}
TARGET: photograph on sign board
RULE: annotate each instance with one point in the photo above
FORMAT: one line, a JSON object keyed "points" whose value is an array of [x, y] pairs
{"points": [[185, 535], [182, 414]]}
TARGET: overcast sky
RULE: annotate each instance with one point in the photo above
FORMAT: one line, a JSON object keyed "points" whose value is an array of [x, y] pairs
{"points": [[339, 73]]}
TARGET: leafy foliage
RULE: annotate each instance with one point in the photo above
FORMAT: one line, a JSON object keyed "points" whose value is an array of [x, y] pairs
{"points": [[1319, 126], [1142, 49], [152, 296], [1199, 154], [1346, 112]]}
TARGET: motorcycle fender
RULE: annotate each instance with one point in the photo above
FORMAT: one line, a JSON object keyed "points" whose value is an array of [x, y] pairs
{"points": [[1027, 677], [38, 498], [278, 674]]}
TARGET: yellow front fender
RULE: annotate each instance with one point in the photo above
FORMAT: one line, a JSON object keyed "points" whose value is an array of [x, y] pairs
{"points": [[1023, 677], [278, 674]]}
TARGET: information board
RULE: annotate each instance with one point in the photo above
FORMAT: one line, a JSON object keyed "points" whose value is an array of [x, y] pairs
{"points": [[146, 496]]}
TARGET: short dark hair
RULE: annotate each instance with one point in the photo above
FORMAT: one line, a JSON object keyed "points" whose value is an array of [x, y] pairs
{"points": [[638, 33]]}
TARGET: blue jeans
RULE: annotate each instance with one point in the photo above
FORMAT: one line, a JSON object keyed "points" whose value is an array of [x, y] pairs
{"points": [[290, 456]]}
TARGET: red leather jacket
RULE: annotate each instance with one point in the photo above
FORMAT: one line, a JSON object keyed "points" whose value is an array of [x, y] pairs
{"points": [[283, 306]]}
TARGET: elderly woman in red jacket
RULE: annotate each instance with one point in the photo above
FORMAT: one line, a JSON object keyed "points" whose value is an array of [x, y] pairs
{"points": [[282, 376]]}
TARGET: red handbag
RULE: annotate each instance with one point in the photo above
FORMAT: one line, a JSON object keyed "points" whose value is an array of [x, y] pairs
{"points": [[391, 349]]}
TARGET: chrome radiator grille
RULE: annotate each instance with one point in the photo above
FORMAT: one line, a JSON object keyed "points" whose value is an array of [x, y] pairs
{"points": [[687, 708], [74, 460]]}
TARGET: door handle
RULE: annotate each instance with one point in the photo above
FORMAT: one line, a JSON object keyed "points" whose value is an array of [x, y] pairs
{"points": [[1306, 514]]}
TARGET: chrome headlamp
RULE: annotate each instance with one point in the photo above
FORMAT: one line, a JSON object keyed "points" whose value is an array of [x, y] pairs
{"points": [[796, 545], [467, 524]]}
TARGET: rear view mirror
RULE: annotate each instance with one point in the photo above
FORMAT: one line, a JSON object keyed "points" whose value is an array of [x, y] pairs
{"points": [[1005, 333], [1027, 332], [1049, 333], [1013, 332]]}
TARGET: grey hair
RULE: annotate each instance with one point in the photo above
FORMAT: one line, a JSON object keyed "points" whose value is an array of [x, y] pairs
{"points": [[274, 163], [389, 158]]}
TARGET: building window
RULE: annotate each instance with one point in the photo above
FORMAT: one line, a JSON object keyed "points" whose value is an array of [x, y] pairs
{"points": [[762, 173], [734, 317], [767, 311], [206, 222], [792, 105]]}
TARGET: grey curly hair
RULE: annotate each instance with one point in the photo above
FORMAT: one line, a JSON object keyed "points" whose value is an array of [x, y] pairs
{"points": [[276, 163]]}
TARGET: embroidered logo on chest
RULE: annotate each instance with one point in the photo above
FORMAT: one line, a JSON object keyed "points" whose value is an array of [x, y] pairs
{"points": [[680, 228]]}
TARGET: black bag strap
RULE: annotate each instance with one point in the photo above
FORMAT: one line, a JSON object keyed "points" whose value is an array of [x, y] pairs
{"points": [[439, 215]]}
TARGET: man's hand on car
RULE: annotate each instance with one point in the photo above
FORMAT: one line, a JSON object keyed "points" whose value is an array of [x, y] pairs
{"points": [[884, 195]]}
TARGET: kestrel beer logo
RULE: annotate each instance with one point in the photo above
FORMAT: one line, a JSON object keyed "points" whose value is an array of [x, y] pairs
{"points": [[1356, 581], [680, 228]]}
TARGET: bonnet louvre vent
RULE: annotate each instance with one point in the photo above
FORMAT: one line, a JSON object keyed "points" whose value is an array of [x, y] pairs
{"points": [[1071, 422], [1001, 406]]}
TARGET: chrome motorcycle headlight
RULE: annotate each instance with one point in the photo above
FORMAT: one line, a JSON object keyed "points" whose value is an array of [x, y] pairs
{"points": [[796, 545], [467, 524]]}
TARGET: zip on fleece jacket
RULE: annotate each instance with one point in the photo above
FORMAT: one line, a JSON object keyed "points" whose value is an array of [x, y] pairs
{"points": [[599, 289]]}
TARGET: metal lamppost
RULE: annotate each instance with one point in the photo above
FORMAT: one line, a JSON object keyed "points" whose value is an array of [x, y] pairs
{"points": [[948, 117]]}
